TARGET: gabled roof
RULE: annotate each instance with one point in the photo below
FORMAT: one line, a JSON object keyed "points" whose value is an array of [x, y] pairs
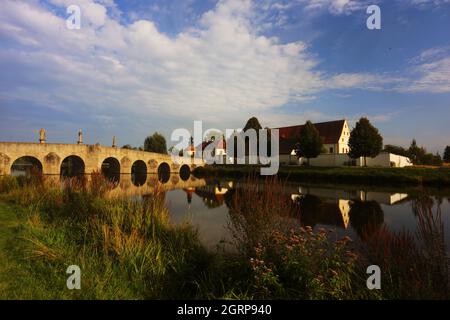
{"points": [[329, 131]]}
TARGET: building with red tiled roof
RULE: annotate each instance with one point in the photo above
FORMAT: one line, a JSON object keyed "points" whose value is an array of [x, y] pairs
{"points": [[219, 149], [335, 135]]}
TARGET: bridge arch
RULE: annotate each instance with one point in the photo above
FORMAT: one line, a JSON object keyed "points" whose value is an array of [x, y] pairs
{"points": [[164, 172], [185, 172], [26, 165], [72, 166], [111, 169], [91, 157], [139, 172]]}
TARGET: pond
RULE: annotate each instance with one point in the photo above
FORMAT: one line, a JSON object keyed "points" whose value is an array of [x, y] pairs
{"points": [[210, 205], [356, 211]]}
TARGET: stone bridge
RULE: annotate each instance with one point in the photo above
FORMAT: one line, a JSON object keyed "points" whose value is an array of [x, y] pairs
{"points": [[74, 159]]}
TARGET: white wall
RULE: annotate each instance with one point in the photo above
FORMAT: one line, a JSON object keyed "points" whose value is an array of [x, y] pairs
{"points": [[328, 160], [384, 159], [339, 159]]}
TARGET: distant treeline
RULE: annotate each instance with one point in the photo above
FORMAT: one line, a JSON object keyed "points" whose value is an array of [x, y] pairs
{"points": [[419, 155]]}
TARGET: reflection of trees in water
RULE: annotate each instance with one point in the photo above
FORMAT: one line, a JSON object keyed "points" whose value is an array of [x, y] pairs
{"points": [[258, 210], [211, 203], [431, 232], [420, 203], [417, 263], [314, 210], [366, 217]]}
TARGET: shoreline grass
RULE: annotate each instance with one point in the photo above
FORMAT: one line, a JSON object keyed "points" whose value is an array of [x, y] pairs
{"points": [[129, 249], [408, 176]]}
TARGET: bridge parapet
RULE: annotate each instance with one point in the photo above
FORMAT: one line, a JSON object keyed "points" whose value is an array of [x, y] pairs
{"points": [[52, 155]]}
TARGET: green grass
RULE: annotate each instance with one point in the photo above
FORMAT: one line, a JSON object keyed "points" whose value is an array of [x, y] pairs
{"points": [[9, 268], [409, 176], [128, 249], [19, 278]]}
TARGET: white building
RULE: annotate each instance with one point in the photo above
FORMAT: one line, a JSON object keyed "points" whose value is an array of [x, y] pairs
{"points": [[335, 135]]}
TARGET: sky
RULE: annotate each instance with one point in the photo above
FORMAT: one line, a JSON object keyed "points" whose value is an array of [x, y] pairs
{"points": [[136, 67]]}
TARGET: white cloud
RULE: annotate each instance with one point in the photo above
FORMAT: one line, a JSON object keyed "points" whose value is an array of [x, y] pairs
{"points": [[336, 7], [361, 81], [429, 2], [221, 67], [431, 70], [216, 71]]}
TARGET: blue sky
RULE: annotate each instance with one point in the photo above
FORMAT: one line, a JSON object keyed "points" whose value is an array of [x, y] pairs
{"points": [[136, 67]]}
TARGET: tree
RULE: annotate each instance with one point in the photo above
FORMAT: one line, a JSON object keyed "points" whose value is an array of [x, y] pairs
{"points": [[419, 155], [396, 150], [365, 140], [437, 160], [310, 143], [155, 143], [431, 159], [447, 154], [252, 123], [416, 153]]}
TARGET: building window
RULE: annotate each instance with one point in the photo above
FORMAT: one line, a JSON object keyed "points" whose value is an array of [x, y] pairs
{"points": [[331, 149]]}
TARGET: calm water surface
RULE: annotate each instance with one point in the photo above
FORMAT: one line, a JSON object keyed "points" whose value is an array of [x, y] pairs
{"points": [[352, 212]]}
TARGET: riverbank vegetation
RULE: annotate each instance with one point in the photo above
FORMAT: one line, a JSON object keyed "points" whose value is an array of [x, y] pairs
{"points": [[408, 176], [129, 249]]}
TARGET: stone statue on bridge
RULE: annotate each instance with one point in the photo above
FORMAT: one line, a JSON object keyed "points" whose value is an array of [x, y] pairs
{"points": [[42, 135], [80, 137], [114, 142]]}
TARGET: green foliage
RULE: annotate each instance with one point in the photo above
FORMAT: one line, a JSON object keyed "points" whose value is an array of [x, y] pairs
{"points": [[398, 150], [365, 140], [415, 266], [8, 183], [252, 123], [306, 265], [408, 176], [446, 156], [420, 156], [416, 153], [310, 143], [155, 143], [128, 249]]}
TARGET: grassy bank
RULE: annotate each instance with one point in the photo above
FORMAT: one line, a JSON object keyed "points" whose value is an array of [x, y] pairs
{"points": [[129, 249], [10, 265], [356, 175]]}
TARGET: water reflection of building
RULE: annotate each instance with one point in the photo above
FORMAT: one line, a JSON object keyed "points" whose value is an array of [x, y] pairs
{"points": [[212, 195], [341, 208], [380, 197], [189, 192], [383, 197], [315, 210]]}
